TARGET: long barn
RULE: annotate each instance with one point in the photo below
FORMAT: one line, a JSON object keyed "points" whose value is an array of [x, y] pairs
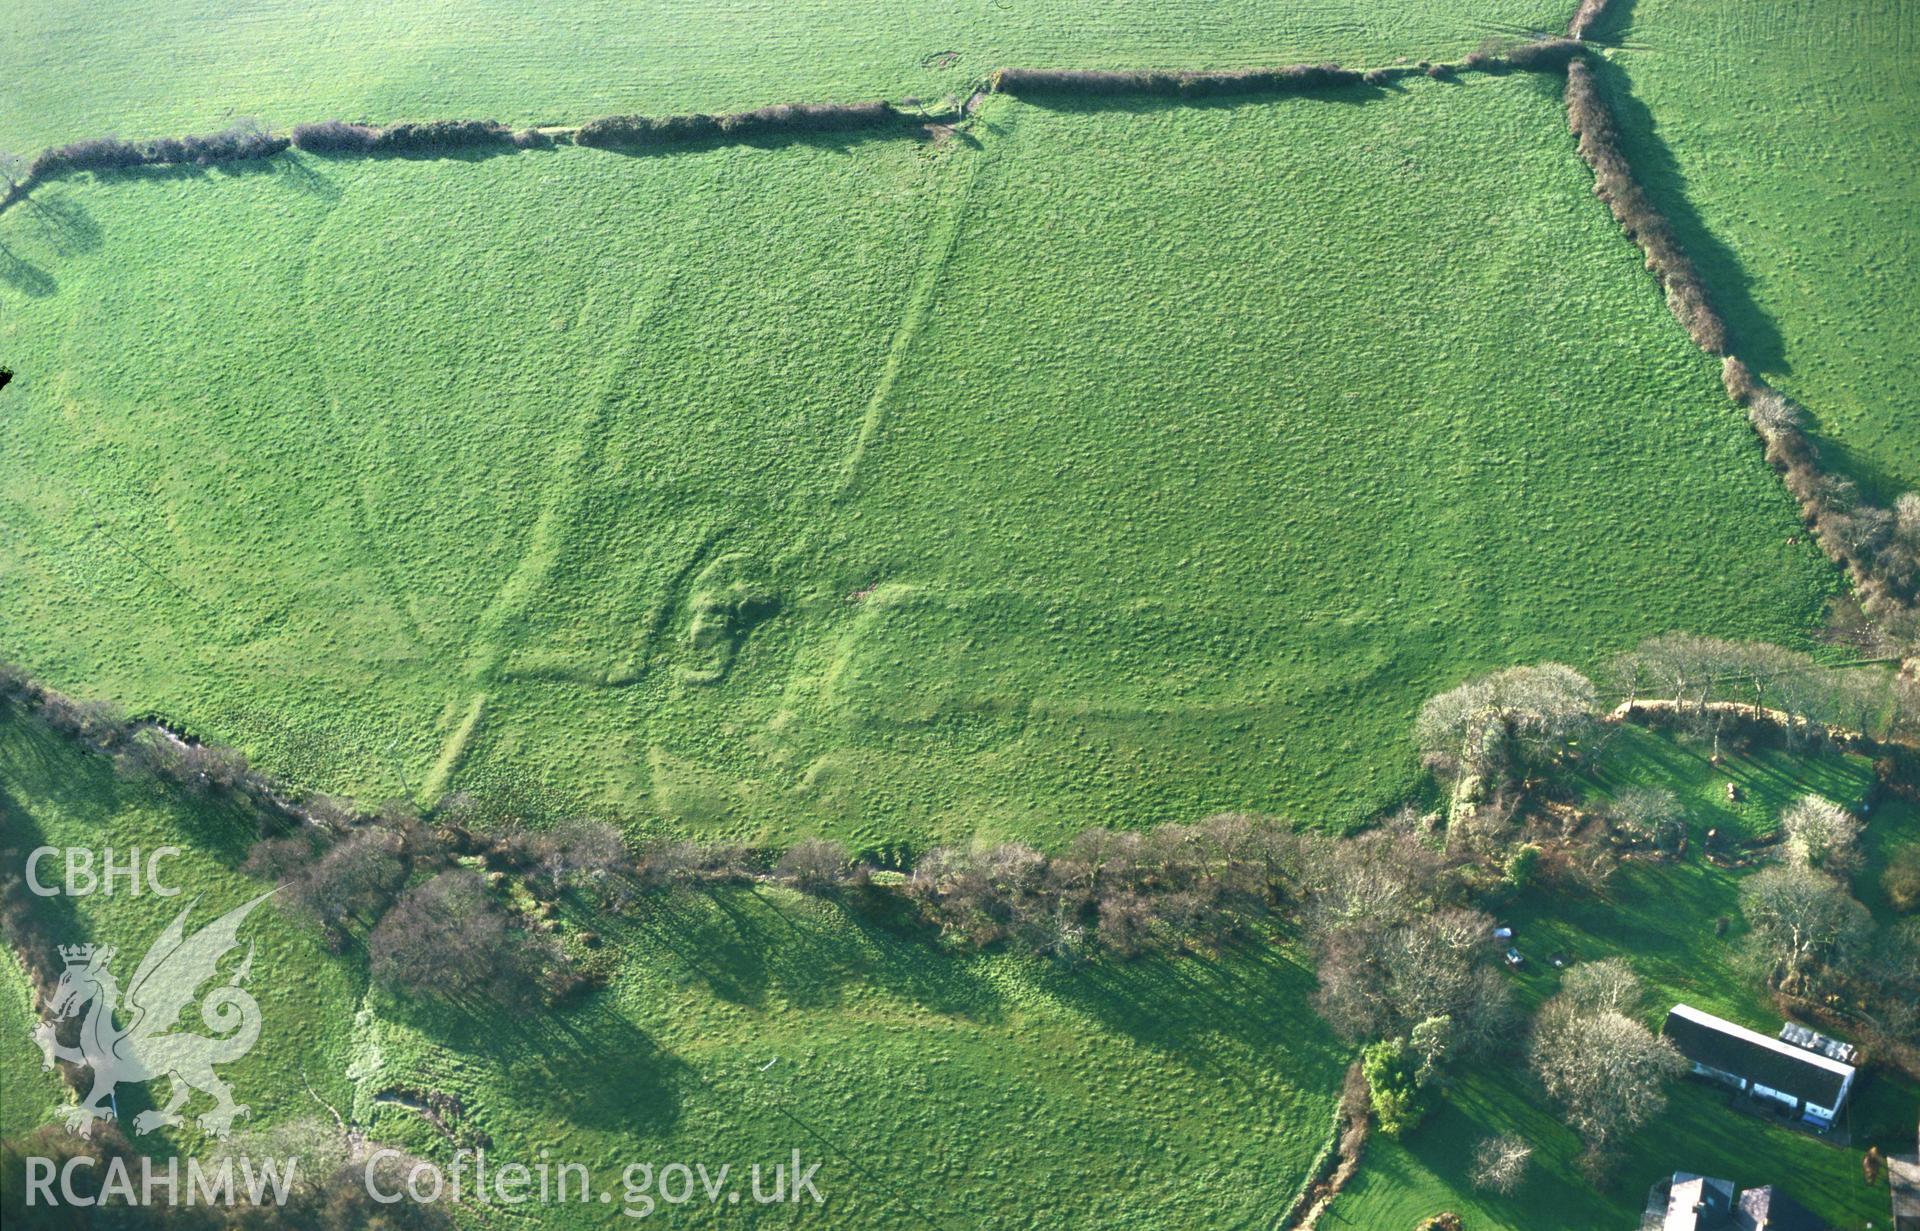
{"points": [[1813, 1086]]}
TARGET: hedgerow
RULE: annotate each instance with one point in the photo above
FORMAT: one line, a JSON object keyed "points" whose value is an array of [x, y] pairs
{"points": [[245, 139], [1879, 548], [640, 130], [428, 136], [1292, 78], [1592, 122]]}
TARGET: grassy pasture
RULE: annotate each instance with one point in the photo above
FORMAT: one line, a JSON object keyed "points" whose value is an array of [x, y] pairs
{"points": [[988, 1091], [30, 1089], [81, 71], [1074, 470], [1770, 132], [56, 797], [1659, 916]]}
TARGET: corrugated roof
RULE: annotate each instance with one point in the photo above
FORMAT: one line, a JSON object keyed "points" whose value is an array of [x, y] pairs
{"points": [[1720, 1044]]}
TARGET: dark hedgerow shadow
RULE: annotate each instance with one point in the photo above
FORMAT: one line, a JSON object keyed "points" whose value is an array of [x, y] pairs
{"points": [[236, 168], [826, 141], [1876, 484], [219, 824], [1142, 103], [60, 222], [1755, 336], [743, 943], [1253, 994], [585, 1063], [55, 921]]}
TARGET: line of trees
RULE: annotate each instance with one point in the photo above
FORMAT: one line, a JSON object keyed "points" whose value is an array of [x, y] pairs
{"points": [[244, 139], [410, 137], [1591, 120], [1120, 893], [1712, 687]]}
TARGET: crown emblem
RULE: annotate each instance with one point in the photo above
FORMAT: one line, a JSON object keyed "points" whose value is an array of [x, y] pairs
{"points": [[83, 955]]}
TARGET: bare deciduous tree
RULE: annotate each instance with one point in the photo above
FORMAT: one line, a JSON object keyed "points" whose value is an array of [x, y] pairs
{"points": [[1536, 708], [1607, 1072], [815, 865], [1500, 1163], [449, 937], [1802, 919], [1823, 835], [577, 855], [354, 880], [1383, 980], [1649, 814], [1606, 986]]}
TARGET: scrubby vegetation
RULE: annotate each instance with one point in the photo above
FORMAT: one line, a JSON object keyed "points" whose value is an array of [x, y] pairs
{"points": [[1040, 82], [640, 130]]}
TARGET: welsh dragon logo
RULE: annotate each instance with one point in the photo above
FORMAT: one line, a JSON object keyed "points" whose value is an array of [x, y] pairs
{"points": [[147, 1047]]}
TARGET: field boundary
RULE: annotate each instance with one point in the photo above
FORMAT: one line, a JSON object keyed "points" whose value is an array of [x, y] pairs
{"points": [[1828, 508], [879, 119]]}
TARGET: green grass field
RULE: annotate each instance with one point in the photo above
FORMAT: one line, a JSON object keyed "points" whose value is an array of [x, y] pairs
{"points": [[1063, 472], [53, 796], [1771, 133], [82, 71], [1660, 917], [983, 1090], [30, 1092]]}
